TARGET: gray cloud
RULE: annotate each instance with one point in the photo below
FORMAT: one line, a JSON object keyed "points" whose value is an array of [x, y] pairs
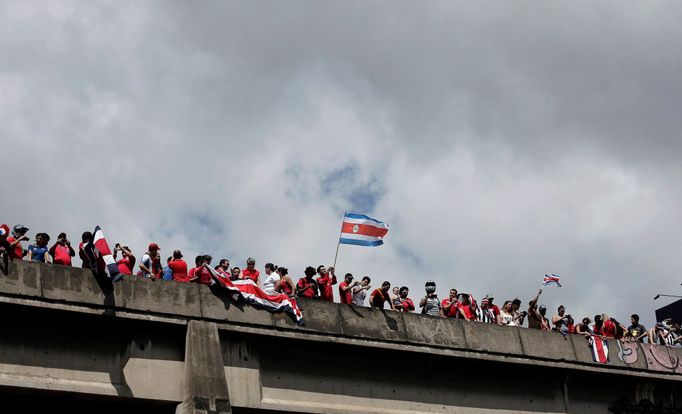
{"points": [[500, 141]]}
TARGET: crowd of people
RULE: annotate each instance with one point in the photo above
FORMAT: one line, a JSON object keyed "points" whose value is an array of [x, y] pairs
{"points": [[318, 283]]}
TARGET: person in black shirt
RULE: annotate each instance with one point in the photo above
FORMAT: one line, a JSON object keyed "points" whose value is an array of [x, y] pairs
{"points": [[636, 331]]}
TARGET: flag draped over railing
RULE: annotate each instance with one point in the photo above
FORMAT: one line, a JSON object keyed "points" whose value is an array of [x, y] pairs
{"points": [[247, 290]]}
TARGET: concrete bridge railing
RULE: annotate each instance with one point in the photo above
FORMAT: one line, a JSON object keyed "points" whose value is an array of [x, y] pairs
{"points": [[217, 356]]}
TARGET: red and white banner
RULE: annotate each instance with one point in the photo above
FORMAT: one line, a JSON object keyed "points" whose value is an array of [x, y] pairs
{"points": [[599, 348], [248, 290]]}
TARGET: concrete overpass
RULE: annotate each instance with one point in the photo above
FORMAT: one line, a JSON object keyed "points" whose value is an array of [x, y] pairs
{"points": [[68, 341]]}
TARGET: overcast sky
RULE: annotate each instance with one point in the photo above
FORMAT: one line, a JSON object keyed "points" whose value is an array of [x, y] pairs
{"points": [[499, 140]]}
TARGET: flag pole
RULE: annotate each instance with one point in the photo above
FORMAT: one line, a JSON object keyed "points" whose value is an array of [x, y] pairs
{"points": [[338, 243]]}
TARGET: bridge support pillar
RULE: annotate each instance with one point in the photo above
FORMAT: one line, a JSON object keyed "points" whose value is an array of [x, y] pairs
{"points": [[205, 388]]}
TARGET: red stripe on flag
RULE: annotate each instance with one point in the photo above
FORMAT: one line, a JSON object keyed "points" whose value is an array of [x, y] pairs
{"points": [[364, 230], [102, 247]]}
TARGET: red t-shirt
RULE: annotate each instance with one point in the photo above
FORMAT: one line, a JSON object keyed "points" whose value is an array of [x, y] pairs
{"points": [[126, 266], [285, 288], [379, 298], [450, 312], [191, 273], [326, 291], [179, 269], [305, 288], [468, 313], [203, 275], [17, 252], [248, 274], [495, 309], [609, 329], [62, 255], [347, 296], [408, 305]]}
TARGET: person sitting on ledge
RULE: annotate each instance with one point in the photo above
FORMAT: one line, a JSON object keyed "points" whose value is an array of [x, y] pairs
{"points": [[306, 286], [325, 281], [360, 291], [430, 304], [380, 296], [250, 272]]}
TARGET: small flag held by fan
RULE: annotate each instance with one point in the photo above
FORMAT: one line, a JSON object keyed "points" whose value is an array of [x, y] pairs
{"points": [[550, 279]]}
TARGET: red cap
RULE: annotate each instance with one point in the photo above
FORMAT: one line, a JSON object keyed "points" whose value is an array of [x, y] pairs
{"points": [[153, 246], [4, 230]]}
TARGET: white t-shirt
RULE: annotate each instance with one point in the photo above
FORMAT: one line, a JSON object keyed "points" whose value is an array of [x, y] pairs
{"points": [[147, 262], [269, 283], [359, 298]]}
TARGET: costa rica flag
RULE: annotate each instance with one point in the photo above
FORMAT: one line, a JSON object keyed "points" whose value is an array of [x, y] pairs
{"points": [[362, 230]]}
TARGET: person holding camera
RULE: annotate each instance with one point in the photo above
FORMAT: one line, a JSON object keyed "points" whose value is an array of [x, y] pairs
{"points": [[127, 262], [16, 250], [562, 321], [61, 251], [430, 304], [360, 291], [450, 305]]}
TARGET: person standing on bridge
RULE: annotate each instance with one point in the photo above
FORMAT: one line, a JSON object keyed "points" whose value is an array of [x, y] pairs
{"points": [[250, 272], [178, 268], [380, 296], [16, 250], [61, 251], [148, 265], [360, 291], [345, 289], [536, 316], [306, 286], [285, 284], [127, 262], [272, 279], [450, 305], [326, 279], [405, 304], [430, 304], [38, 252]]}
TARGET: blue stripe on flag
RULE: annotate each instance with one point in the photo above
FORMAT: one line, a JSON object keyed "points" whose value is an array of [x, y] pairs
{"points": [[361, 242], [362, 217]]}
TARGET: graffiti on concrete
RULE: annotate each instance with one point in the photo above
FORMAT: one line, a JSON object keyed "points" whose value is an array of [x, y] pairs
{"points": [[656, 357]]}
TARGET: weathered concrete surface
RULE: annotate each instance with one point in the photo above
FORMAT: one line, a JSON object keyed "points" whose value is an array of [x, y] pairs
{"points": [[375, 323], [319, 316], [493, 338], [547, 345], [70, 284], [426, 330], [205, 384], [160, 296], [22, 280]]}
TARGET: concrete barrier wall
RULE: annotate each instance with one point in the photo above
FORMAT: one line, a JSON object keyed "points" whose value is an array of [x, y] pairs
{"points": [[327, 321]]}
